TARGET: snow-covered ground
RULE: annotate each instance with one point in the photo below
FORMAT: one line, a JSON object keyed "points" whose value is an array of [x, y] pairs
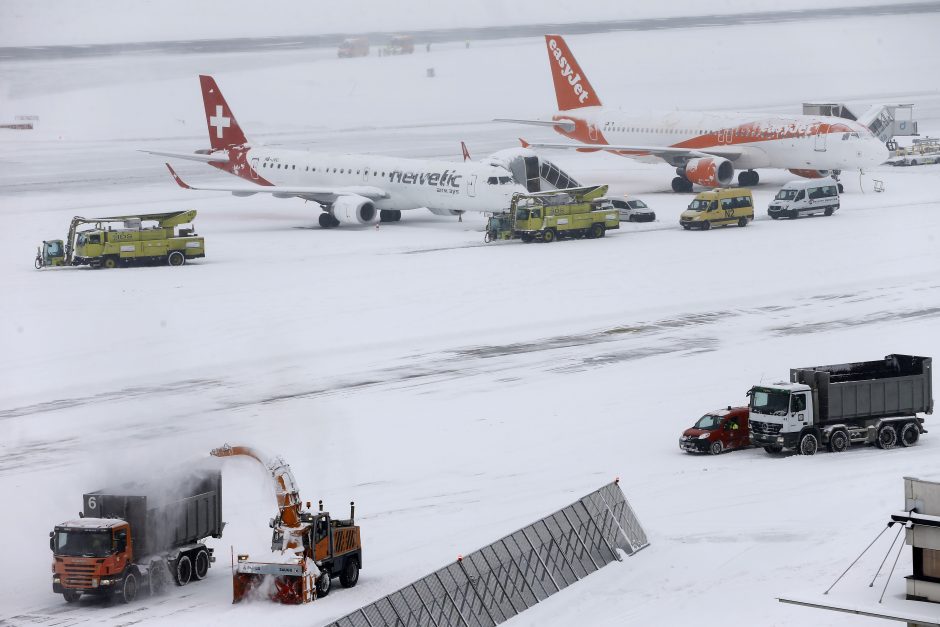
{"points": [[458, 391]]}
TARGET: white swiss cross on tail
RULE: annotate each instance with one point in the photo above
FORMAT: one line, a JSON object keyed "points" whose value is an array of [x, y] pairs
{"points": [[219, 121]]}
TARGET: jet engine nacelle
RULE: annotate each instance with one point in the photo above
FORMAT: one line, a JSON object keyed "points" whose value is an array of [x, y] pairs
{"points": [[445, 212], [812, 174], [709, 171], [354, 210]]}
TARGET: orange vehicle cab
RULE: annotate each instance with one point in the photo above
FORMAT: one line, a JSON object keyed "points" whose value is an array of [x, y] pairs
{"points": [[717, 431]]}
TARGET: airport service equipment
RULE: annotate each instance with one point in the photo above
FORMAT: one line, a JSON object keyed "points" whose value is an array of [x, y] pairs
{"points": [[805, 198], [717, 431], [547, 216], [865, 402], [308, 549], [134, 242], [719, 207], [137, 537]]}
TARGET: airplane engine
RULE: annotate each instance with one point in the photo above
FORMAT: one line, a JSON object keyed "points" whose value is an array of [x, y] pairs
{"points": [[812, 174], [354, 210], [445, 212], [709, 171]]}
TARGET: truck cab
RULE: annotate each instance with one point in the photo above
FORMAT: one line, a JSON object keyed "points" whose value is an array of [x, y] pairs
{"points": [[717, 431], [779, 413], [51, 253], [90, 556]]}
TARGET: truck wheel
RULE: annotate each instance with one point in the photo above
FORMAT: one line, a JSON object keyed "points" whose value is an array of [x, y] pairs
{"points": [[838, 442], [887, 437], [909, 434], [128, 591], [828, 211], [201, 564], [350, 575], [38, 263], [109, 263], [548, 236], [183, 570], [706, 225], [597, 230], [71, 596], [742, 221], [324, 583], [773, 449], [176, 258], [809, 444], [715, 448], [686, 227]]}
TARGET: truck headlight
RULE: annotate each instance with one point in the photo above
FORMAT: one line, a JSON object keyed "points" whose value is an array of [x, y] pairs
{"points": [[56, 580], [704, 436], [105, 582], [780, 439]]}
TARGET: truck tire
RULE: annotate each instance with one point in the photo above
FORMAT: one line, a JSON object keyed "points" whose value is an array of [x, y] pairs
{"points": [[183, 570], [324, 583], [158, 576], [909, 434], [71, 596], [350, 575], [887, 437], [597, 231], [176, 258], [773, 449], [706, 225], [548, 236], [828, 211], [128, 590], [109, 262], [716, 447], [809, 444], [838, 441], [742, 221], [201, 564]]}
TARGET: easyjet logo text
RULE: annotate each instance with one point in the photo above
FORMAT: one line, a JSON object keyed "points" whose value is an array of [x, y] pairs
{"points": [[567, 71], [435, 179]]}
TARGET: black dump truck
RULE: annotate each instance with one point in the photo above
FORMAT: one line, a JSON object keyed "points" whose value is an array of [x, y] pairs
{"points": [[865, 402], [138, 537]]}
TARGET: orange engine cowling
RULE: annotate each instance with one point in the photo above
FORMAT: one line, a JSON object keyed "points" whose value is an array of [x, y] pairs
{"points": [[709, 171], [812, 174]]}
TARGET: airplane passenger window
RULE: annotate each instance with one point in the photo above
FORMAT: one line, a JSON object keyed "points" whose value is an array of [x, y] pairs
{"points": [[293, 167]]}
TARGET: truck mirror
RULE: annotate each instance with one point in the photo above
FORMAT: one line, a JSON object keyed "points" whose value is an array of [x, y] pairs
{"points": [[51, 542]]}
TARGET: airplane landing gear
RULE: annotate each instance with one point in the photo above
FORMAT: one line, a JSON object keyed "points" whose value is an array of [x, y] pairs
{"points": [[748, 178], [327, 221], [681, 184]]}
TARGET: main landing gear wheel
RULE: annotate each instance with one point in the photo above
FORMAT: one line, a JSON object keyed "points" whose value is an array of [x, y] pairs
{"points": [[327, 221], [389, 215], [680, 185]]}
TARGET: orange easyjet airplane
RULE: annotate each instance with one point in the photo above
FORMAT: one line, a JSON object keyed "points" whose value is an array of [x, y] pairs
{"points": [[705, 148]]}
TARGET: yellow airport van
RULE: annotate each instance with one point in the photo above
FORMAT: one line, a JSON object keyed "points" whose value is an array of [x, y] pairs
{"points": [[719, 207]]}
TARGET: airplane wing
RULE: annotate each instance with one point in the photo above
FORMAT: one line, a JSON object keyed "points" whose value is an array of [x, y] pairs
{"points": [[316, 194], [663, 152], [191, 156]]}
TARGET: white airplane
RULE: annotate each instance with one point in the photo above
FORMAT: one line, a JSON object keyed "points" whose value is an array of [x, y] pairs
{"points": [[355, 189], [705, 148]]}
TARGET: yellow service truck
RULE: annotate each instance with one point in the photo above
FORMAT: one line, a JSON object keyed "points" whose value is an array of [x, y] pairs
{"points": [[547, 216], [129, 244]]}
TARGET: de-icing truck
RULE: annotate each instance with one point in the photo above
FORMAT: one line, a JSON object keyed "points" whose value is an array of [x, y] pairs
{"points": [[138, 537], [866, 402]]}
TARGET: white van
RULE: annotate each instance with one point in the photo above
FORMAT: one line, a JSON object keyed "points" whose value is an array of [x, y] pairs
{"points": [[801, 198]]}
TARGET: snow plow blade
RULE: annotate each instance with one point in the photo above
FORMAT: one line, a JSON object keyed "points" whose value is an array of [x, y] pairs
{"points": [[290, 584]]}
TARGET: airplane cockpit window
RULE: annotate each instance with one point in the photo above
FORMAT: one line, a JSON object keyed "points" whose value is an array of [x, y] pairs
{"points": [[505, 180], [492, 180]]}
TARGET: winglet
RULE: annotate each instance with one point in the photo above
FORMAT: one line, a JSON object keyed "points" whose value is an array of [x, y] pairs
{"points": [[176, 177], [466, 153], [572, 89], [524, 143]]}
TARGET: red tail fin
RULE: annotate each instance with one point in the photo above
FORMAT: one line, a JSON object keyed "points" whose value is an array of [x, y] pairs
{"points": [[572, 88], [224, 131]]}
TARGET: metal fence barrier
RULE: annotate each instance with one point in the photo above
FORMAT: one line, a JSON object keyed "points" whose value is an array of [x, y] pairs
{"points": [[493, 584]]}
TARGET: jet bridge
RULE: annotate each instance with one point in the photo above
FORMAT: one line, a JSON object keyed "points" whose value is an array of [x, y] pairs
{"points": [[886, 121], [536, 173]]}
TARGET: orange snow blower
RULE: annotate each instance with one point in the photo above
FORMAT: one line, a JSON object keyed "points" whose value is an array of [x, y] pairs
{"points": [[308, 549]]}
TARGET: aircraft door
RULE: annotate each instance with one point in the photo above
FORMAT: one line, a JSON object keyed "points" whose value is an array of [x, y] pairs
{"points": [[821, 139], [254, 168], [592, 132], [472, 185]]}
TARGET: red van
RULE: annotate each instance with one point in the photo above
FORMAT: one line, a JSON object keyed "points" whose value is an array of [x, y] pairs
{"points": [[717, 431]]}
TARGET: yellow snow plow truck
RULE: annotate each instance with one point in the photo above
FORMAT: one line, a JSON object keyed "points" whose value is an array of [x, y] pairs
{"points": [[555, 214], [125, 241]]}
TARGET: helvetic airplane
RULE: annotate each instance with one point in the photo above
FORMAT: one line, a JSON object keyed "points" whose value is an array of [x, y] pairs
{"points": [[351, 189], [705, 148]]}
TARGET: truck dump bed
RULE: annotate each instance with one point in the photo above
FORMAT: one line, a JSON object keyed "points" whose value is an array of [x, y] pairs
{"points": [[898, 385], [178, 511]]}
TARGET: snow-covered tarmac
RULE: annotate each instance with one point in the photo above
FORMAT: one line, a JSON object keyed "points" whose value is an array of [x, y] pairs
{"points": [[458, 391]]}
